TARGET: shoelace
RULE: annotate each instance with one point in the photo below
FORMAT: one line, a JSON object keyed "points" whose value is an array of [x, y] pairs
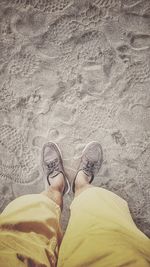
{"points": [[53, 165], [89, 167]]}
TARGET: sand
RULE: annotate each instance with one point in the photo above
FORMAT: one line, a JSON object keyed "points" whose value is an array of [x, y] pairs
{"points": [[72, 72]]}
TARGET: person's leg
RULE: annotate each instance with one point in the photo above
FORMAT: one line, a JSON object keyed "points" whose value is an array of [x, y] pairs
{"points": [[81, 183], [56, 182], [55, 191], [101, 231], [30, 231]]}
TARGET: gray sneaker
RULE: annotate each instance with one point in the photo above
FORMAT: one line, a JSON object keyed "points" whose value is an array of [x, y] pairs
{"points": [[91, 161], [53, 165]]}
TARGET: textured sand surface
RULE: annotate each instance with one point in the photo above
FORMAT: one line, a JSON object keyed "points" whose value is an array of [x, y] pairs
{"points": [[71, 72]]}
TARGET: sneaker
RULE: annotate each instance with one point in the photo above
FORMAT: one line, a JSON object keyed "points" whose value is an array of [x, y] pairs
{"points": [[53, 165], [91, 161]]}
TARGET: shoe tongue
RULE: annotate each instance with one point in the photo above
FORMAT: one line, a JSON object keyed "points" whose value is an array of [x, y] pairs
{"points": [[93, 156], [49, 156]]}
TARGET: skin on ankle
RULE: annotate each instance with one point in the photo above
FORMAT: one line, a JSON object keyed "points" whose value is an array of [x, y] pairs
{"points": [[58, 183], [81, 183], [55, 190]]}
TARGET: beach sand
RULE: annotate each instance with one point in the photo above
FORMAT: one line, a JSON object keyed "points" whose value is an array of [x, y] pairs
{"points": [[72, 72]]}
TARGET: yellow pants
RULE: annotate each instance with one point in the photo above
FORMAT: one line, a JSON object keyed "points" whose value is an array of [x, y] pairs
{"points": [[100, 232]]}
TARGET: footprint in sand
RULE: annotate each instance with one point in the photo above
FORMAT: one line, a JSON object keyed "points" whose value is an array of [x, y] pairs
{"points": [[6, 192], [53, 134], [25, 170], [138, 72], [108, 4], [91, 16], [29, 24], [49, 6], [141, 115], [6, 96], [63, 114], [61, 30], [40, 5], [23, 64], [140, 41], [38, 141]]}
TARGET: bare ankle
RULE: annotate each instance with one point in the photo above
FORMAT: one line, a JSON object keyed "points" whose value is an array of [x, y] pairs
{"points": [[57, 183], [82, 180], [54, 195]]}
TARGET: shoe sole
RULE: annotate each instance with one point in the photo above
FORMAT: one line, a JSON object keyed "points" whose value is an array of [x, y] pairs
{"points": [[67, 184]]}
